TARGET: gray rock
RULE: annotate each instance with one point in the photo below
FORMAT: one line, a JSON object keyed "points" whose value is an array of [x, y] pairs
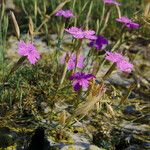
{"points": [[94, 147]]}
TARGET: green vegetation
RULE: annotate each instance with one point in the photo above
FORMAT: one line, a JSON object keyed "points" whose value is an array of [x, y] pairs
{"points": [[41, 94]]}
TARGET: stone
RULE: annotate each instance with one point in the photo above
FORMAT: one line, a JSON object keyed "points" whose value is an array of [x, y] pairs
{"points": [[94, 147]]}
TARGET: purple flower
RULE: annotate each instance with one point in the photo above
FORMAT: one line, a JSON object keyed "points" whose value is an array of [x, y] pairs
{"points": [[72, 61], [99, 43], [65, 13], [81, 80], [29, 51], [128, 22], [121, 62], [80, 34], [111, 2]]}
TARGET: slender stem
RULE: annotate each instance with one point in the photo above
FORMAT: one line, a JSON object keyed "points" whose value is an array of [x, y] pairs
{"points": [[88, 58], [99, 66], [47, 18], [14, 68], [106, 22], [103, 14], [2, 10], [88, 16], [78, 52], [35, 12], [64, 75], [120, 40], [132, 86], [62, 28], [118, 10], [110, 70]]}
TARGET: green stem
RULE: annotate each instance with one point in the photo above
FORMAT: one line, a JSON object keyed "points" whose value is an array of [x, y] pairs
{"points": [[103, 14], [14, 68], [132, 86], [106, 22], [111, 69], [78, 52], [63, 76]]}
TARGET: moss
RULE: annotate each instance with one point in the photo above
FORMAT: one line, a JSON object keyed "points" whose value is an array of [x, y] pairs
{"points": [[6, 140]]}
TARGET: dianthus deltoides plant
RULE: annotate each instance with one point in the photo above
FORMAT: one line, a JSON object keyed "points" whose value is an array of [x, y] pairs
{"points": [[82, 73]]}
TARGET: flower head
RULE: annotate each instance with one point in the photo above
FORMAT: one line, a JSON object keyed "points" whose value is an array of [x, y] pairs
{"points": [[128, 22], [65, 13], [111, 2], [125, 66], [81, 80], [114, 57], [80, 34], [121, 62], [28, 50], [72, 61], [99, 43]]}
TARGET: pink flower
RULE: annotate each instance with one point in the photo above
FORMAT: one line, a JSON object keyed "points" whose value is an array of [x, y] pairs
{"points": [[29, 51], [124, 66], [113, 57], [81, 80], [128, 22], [72, 61], [65, 13], [80, 34], [121, 62], [59, 12], [111, 2]]}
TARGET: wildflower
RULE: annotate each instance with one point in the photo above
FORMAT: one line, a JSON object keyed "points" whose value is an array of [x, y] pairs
{"points": [[99, 43], [128, 22], [72, 61], [111, 2], [28, 50], [124, 66], [81, 80], [65, 13], [114, 57], [121, 62], [80, 34]]}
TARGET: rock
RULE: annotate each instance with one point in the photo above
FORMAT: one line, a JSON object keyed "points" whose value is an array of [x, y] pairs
{"points": [[136, 128], [133, 147], [72, 147], [146, 145], [118, 80], [94, 147], [142, 146], [130, 110]]}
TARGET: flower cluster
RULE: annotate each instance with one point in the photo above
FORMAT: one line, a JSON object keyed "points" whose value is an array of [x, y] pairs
{"points": [[111, 2], [128, 22], [121, 62], [28, 50], [72, 61], [64, 13], [80, 34], [81, 80], [99, 43]]}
